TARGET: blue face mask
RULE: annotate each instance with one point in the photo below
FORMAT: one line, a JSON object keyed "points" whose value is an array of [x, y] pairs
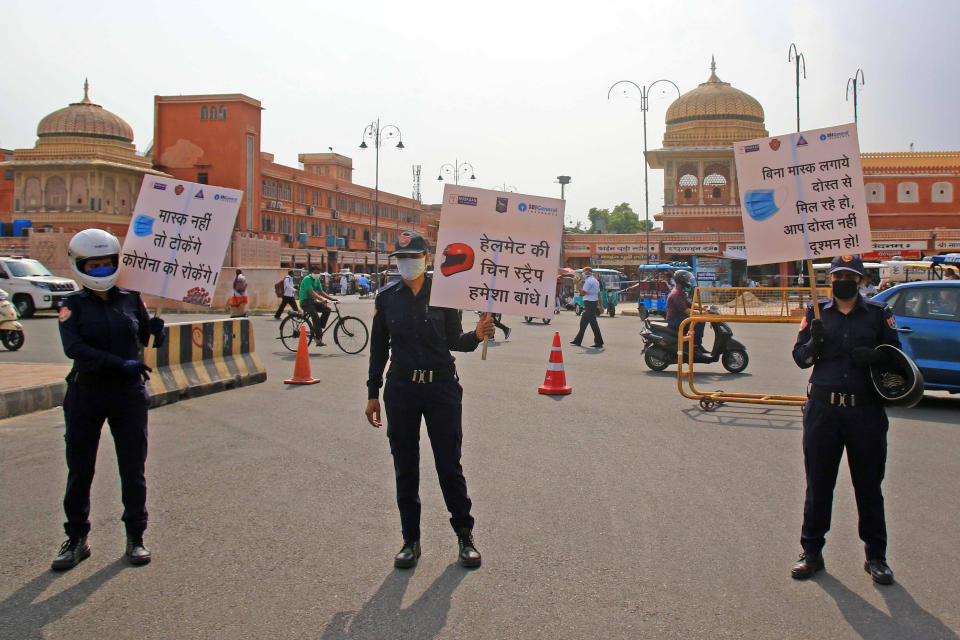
{"points": [[760, 204], [100, 272], [142, 226]]}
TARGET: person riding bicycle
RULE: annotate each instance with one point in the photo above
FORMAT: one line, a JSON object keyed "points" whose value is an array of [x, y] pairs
{"points": [[312, 298]]}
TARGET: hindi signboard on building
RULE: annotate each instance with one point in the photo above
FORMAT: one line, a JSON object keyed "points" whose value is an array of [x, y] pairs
{"points": [[177, 239], [802, 195], [497, 251]]}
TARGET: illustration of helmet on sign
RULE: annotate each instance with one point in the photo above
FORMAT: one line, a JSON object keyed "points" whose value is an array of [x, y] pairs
{"points": [[457, 257]]}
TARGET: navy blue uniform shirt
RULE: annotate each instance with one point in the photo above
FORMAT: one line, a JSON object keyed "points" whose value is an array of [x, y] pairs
{"points": [[868, 324], [99, 335], [418, 335]]}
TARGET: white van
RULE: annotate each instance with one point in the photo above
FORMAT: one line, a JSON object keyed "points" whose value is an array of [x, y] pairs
{"points": [[31, 285]]}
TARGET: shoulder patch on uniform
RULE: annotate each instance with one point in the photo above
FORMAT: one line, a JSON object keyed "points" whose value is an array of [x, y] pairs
{"points": [[892, 321], [64, 314]]}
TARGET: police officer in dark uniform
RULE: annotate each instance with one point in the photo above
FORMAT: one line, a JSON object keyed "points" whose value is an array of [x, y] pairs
{"points": [[422, 382], [102, 328], [843, 411]]}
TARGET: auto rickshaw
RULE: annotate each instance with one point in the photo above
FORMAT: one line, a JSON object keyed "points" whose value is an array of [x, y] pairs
{"points": [[610, 288], [654, 286]]}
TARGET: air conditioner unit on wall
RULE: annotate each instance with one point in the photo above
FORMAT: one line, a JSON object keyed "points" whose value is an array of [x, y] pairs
{"points": [[334, 214], [309, 210]]}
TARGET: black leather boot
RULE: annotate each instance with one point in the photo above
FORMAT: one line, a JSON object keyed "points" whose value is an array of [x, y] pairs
{"points": [[408, 555], [137, 553], [71, 553], [808, 565], [879, 571], [469, 556]]}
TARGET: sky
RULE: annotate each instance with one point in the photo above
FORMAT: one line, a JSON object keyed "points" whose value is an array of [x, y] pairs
{"points": [[516, 89]]}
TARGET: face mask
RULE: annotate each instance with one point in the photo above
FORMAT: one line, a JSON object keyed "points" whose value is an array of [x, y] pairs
{"points": [[845, 289], [411, 268], [100, 272], [760, 204]]}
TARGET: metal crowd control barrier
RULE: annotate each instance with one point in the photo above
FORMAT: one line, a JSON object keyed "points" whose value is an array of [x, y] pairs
{"points": [[738, 304]]}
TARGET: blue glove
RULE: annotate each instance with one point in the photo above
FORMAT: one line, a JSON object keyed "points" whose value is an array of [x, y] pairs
{"points": [[156, 330], [131, 367]]}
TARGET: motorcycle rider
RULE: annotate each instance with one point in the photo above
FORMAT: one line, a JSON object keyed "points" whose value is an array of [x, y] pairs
{"points": [[678, 307]]}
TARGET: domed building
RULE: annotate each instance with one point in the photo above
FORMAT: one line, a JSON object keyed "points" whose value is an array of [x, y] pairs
{"points": [[700, 190], [83, 171]]}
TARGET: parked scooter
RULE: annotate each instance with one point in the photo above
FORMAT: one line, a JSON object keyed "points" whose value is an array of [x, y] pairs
{"points": [[660, 346], [11, 331]]}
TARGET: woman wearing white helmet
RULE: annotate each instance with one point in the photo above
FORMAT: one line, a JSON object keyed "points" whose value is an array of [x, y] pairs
{"points": [[102, 328]]}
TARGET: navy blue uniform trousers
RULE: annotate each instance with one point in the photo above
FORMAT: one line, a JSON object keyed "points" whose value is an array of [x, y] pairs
{"points": [[827, 431], [85, 408], [439, 404]]}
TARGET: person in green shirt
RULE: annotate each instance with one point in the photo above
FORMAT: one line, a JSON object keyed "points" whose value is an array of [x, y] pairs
{"points": [[312, 297]]}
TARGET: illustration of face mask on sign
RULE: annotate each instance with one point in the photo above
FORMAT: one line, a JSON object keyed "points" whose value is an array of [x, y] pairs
{"points": [[760, 204], [142, 226]]}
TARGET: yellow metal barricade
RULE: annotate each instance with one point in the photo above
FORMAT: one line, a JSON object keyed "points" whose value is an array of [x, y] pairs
{"points": [[738, 304]]}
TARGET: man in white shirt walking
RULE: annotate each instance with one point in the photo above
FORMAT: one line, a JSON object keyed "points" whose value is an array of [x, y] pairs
{"points": [[289, 295], [589, 288]]}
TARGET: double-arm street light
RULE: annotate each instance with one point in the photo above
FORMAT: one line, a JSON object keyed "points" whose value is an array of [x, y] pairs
{"points": [[852, 83], [793, 55], [456, 169], [505, 187], [644, 106], [377, 135]]}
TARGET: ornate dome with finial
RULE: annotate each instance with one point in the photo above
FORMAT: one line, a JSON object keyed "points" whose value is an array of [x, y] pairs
{"points": [[85, 119], [713, 114]]}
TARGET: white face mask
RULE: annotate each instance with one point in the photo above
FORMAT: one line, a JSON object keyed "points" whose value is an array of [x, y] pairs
{"points": [[411, 268]]}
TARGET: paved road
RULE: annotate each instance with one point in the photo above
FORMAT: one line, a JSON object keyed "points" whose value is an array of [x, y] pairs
{"points": [[620, 511]]}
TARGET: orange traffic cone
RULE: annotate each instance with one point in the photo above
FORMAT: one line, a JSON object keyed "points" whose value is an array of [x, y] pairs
{"points": [[555, 383], [301, 370]]}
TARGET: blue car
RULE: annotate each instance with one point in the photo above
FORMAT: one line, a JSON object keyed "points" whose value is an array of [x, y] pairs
{"points": [[928, 320]]}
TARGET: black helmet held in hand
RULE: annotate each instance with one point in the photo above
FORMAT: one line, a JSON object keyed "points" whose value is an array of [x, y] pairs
{"points": [[897, 379]]}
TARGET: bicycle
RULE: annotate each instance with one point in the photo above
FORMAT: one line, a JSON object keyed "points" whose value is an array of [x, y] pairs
{"points": [[349, 332]]}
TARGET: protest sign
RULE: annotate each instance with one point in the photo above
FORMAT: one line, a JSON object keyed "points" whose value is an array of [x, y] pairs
{"points": [[497, 251], [177, 239], [802, 195]]}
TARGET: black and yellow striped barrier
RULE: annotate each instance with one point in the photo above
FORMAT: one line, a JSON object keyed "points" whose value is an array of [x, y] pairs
{"points": [[202, 357]]}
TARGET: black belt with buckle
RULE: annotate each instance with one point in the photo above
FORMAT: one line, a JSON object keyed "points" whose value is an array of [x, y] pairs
{"points": [[423, 376], [839, 399]]}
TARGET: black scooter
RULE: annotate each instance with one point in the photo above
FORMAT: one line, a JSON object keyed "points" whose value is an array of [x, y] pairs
{"points": [[660, 346]]}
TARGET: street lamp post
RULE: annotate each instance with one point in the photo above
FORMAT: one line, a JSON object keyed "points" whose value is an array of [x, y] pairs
{"points": [[793, 55], [505, 187], [644, 106], [852, 82], [456, 169], [377, 134], [564, 181]]}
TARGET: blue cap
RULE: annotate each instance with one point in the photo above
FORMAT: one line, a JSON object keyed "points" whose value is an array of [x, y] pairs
{"points": [[410, 242], [847, 263]]}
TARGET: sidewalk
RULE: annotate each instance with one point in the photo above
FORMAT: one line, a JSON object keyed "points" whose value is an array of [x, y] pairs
{"points": [[25, 387]]}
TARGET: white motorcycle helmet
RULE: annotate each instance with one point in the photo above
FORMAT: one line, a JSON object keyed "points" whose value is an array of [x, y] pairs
{"points": [[94, 243]]}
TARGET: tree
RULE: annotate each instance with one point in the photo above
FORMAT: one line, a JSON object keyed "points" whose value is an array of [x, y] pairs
{"points": [[623, 220], [646, 225], [599, 220]]}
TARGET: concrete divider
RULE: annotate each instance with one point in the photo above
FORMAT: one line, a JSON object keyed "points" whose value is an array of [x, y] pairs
{"points": [[202, 357]]}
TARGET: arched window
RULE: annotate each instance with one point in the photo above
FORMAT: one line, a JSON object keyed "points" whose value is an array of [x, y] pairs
{"points": [[941, 192], [223, 112], [203, 112], [907, 192], [874, 191], [55, 194]]}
